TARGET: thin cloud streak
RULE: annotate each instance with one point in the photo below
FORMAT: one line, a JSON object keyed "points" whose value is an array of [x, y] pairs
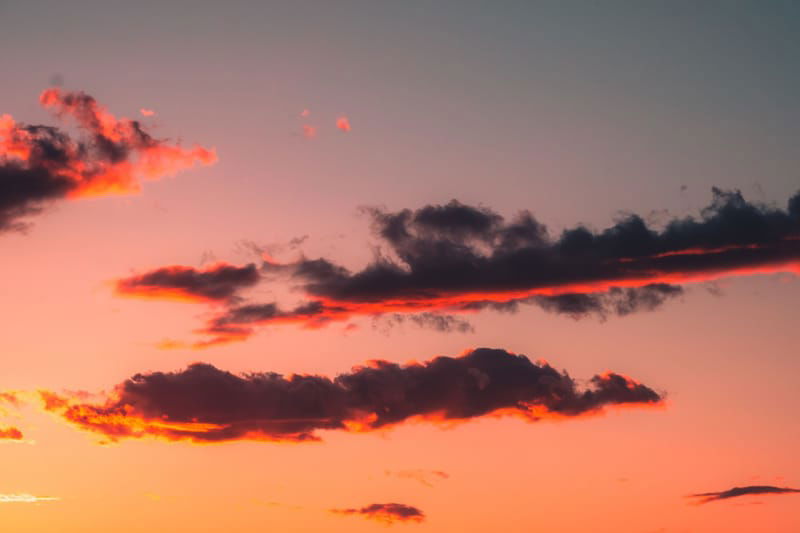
{"points": [[737, 492], [26, 498]]}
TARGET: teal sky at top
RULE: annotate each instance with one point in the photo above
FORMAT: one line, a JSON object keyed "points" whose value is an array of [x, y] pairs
{"points": [[575, 110]]}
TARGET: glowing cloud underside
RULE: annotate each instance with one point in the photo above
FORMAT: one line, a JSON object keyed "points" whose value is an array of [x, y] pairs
{"points": [[205, 404], [448, 259], [40, 164]]}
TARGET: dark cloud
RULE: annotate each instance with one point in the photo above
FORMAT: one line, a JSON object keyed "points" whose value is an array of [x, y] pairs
{"points": [[40, 164], [434, 321], [441, 260], [457, 254], [707, 497], [205, 404], [219, 282], [616, 301], [386, 512]]}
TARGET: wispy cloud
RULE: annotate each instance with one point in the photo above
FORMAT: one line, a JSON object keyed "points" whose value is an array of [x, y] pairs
{"points": [[736, 492], [25, 498], [424, 477]]}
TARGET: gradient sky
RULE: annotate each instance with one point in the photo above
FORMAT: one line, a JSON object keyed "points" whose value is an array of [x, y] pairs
{"points": [[577, 111]]}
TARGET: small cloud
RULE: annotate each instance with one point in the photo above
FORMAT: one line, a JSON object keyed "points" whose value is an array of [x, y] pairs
{"points": [[25, 498], [388, 513], [10, 433], [425, 477], [147, 112], [309, 132], [343, 123], [305, 113]]}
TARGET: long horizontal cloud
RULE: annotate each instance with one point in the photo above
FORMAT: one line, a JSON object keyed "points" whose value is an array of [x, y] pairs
{"points": [[40, 164], [205, 404], [25, 498], [707, 497], [456, 258], [388, 513], [219, 282], [452, 256]]}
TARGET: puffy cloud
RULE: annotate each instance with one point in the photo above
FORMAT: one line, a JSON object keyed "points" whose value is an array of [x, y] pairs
{"points": [[40, 164], [205, 404], [443, 260], [455, 255], [10, 433], [388, 513]]}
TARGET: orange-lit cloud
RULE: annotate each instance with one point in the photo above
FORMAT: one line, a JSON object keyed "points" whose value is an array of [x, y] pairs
{"points": [[309, 131], [388, 513], [205, 404], [736, 492], [10, 433], [40, 164], [305, 113], [442, 260], [343, 123], [147, 112], [217, 282]]}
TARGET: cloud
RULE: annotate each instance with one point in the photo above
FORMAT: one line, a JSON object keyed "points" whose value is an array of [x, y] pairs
{"points": [[735, 492], [40, 164], [425, 477], [388, 513], [309, 131], [25, 498], [456, 256], [343, 123], [147, 112], [440, 261], [215, 283], [10, 433], [205, 404], [434, 321]]}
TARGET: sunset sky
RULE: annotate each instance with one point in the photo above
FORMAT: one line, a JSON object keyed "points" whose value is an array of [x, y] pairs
{"points": [[449, 266]]}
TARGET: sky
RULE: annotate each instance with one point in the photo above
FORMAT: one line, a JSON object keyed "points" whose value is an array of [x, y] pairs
{"points": [[321, 266]]}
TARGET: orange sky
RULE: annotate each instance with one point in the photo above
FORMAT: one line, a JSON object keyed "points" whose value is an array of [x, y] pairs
{"points": [[229, 142]]}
